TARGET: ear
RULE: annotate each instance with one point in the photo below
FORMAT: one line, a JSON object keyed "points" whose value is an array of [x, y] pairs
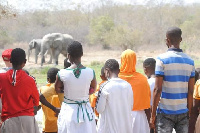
{"points": [[33, 44], [181, 39]]}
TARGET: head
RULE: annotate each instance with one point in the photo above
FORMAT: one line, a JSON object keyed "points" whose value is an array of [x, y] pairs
{"points": [[51, 75], [173, 37], [197, 74], [149, 66], [111, 68], [75, 51], [32, 45], [102, 74], [128, 61], [18, 58], [66, 63], [6, 55]]}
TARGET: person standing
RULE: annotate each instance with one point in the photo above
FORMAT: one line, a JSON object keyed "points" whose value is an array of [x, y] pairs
{"points": [[141, 92], [19, 95], [48, 92], [173, 92], [115, 102], [6, 58], [76, 114]]}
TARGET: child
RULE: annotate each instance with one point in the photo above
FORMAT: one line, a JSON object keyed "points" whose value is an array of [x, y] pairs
{"points": [[76, 114], [48, 92], [149, 69], [93, 97], [66, 63], [114, 102], [19, 95], [195, 110]]}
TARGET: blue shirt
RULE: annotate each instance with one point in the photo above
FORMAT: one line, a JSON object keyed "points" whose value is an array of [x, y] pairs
{"points": [[176, 68]]}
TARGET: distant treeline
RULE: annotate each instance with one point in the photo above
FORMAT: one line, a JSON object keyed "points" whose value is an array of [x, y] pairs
{"points": [[123, 26]]}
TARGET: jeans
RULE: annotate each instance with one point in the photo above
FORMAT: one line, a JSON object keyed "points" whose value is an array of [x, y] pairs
{"points": [[165, 123]]}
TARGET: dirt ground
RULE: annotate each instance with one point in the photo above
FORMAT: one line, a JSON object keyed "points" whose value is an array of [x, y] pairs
{"points": [[91, 54]]}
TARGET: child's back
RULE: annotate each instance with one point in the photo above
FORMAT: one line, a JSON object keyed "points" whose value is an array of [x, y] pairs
{"points": [[114, 105]]}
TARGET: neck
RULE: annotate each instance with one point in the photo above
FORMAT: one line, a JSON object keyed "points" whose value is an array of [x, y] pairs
{"points": [[17, 67], [175, 46], [113, 75], [152, 76]]}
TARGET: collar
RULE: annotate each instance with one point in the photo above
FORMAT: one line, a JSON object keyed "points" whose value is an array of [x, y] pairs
{"points": [[175, 49]]}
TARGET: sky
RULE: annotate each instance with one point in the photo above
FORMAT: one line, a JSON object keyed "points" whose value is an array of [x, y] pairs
{"points": [[29, 5]]}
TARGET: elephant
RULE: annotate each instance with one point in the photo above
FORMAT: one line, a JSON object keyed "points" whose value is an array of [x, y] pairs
{"points": [[57, 43], [36, 44]]}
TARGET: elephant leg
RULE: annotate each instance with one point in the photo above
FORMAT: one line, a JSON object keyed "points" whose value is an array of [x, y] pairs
{"points": [[42, 60], [57, 52], [50, 60], [36, 57]]}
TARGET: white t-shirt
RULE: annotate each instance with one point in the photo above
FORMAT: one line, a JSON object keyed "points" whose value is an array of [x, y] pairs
{"points": [[114, 105], [76, 88], [151, 82]]}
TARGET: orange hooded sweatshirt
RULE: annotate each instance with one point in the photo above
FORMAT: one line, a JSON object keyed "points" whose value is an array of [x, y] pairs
{"points": [[139, 83]]}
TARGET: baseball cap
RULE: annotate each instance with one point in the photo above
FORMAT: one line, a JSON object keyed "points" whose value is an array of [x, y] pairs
{"points": [[6, 54]]}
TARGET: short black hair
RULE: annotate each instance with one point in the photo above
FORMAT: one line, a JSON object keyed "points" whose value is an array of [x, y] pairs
{"points": [[51, 74], [75, 49], [66, 63], [197, 72], [18, 56], [112, 64], [174, 34], [150, 63], [102, 71]]}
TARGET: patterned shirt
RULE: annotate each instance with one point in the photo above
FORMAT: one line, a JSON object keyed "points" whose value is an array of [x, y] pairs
{"points": [[176, 68]]}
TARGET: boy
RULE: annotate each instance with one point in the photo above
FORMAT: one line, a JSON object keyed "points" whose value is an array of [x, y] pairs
{"points": [[149, 69], [173, 92], [48, 92], [115, 102], [6, 58], [19, 95], [93, 97]]}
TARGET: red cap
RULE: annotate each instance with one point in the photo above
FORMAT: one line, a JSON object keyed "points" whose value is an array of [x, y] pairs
{"points": [[6, 54]]}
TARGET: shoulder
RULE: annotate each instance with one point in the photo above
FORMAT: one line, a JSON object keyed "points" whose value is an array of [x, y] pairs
{"points": [[88, 69]]}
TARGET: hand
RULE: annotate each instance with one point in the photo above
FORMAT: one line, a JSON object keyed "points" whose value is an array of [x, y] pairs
{"points": [[91, 90], [152, 122], [35, 110], [57, 111]]}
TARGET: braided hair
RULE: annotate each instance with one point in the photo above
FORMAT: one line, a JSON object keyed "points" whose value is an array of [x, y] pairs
{"points": [[112, 65]]}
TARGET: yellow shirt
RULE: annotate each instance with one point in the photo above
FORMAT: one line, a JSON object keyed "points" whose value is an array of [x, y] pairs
{"points": [[196, 94], [49, 119]]}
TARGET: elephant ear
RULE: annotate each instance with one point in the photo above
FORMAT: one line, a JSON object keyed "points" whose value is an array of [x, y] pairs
{"points": [[33, 44]]}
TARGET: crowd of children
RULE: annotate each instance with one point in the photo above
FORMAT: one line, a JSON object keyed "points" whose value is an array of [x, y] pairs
{"points": [[125, 101]]}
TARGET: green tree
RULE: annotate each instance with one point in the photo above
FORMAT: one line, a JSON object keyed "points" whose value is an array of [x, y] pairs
{"points": [[100, 28], [123, 36]]}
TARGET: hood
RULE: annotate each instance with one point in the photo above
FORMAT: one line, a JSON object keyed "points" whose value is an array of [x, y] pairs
{"points": [[128, 62], [15, 76]]}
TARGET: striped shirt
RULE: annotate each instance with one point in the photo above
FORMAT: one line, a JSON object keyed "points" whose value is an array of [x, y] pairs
{"points": [[176, 68]]}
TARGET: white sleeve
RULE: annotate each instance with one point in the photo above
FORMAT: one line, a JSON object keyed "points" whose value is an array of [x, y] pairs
{"points": [[131, 96], [101, 101]]}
